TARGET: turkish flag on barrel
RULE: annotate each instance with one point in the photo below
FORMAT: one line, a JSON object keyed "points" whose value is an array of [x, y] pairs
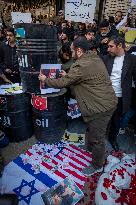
{"points": [[39, 102]]}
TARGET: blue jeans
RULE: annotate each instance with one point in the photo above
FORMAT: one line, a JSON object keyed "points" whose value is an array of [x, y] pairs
{"points": [[126, 117]]}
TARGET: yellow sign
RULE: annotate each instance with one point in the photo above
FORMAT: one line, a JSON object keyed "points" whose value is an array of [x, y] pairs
{"points": [[75, 138], [130, 35]]}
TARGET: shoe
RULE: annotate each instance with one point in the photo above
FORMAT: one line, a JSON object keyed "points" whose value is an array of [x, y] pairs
{"points": [[122, 131], [90, 170], [4, 141], [9, 199], [115, 146]]}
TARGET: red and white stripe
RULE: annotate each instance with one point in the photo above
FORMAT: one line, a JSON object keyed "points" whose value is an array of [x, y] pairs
{"points": [[77, 160]]}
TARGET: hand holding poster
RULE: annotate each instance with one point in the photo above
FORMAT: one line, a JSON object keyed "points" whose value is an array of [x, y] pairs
{"points": [[80, 11], [50, 71]]}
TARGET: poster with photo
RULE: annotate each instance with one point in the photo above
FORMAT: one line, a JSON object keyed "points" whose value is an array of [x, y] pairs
{"points": [[65, 193], [50, 71], [73, 109]]}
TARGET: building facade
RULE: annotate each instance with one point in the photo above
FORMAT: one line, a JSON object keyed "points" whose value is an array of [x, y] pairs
{"points": [[111, 6]]}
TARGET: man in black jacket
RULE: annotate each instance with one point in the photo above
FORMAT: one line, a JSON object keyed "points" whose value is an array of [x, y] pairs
{"points": [[9, 68], [102, 37], [118, 17], [121, 67]]}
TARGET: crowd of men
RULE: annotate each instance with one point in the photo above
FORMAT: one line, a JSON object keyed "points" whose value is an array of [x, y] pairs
{"points": [[99, 70]]}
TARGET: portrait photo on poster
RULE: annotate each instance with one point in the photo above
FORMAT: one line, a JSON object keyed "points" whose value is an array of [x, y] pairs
{"points": [[64, 193], [50, 71]]}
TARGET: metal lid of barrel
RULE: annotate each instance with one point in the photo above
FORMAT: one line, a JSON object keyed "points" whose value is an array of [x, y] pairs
{"points": [[37, 44], [49, 116], [15, 113]]}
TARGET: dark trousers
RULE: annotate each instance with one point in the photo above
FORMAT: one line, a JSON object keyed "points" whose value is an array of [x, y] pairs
{"points": [[114, 124], [95, 137], [9, 199]]}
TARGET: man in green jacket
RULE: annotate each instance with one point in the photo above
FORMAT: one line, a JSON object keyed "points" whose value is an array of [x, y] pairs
{"points": [[90, 82]]}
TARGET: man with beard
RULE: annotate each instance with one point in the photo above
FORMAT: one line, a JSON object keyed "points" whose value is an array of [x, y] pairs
{"points": [[89, 81], [103, 36]]}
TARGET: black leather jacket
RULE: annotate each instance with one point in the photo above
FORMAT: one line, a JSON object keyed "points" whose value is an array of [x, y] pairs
{"points": [[9, 60]]}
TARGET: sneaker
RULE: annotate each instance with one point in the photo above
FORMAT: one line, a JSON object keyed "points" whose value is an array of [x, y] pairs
{"points": [[122, 131], [90, 170], [4, 141]]}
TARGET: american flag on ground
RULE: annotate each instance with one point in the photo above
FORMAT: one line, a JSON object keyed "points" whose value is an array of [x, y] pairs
{"points": [[41, 167]]}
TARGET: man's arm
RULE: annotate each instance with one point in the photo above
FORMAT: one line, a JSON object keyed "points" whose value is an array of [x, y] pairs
{"points": [[71, 78], [5, 79]]}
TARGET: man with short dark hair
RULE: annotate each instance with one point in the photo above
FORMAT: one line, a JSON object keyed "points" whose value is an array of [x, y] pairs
{"points": [[64, 36], [102, 37], [90, 36], [65, 57], [118, 17], [89, 80], [81, 28], [9, 68], [63, 39], [121, 67]]}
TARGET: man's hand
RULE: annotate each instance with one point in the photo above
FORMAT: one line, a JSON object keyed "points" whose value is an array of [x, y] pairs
{"points": [[15, 72], [62, 73], [42, 77], [8, 70], [105, 40], [7, 81], [124, 29]]}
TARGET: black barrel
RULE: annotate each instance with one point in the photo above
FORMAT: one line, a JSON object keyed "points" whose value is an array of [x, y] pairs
{"points": [[16, 116], [50, 123], [39, 46]]}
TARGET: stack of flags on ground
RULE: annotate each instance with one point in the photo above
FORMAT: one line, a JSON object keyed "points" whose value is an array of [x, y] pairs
{"points": [[41, 167]]}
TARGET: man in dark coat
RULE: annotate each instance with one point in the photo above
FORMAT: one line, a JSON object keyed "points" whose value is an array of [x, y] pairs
{"points": [[9, 67], [121, 67], [118, 17]]}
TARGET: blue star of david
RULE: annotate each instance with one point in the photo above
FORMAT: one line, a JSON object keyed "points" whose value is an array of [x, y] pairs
{"points": [[32, 191]]}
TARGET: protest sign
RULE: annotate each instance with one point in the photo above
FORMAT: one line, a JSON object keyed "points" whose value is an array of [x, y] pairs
{"points": [[80, 11]]}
